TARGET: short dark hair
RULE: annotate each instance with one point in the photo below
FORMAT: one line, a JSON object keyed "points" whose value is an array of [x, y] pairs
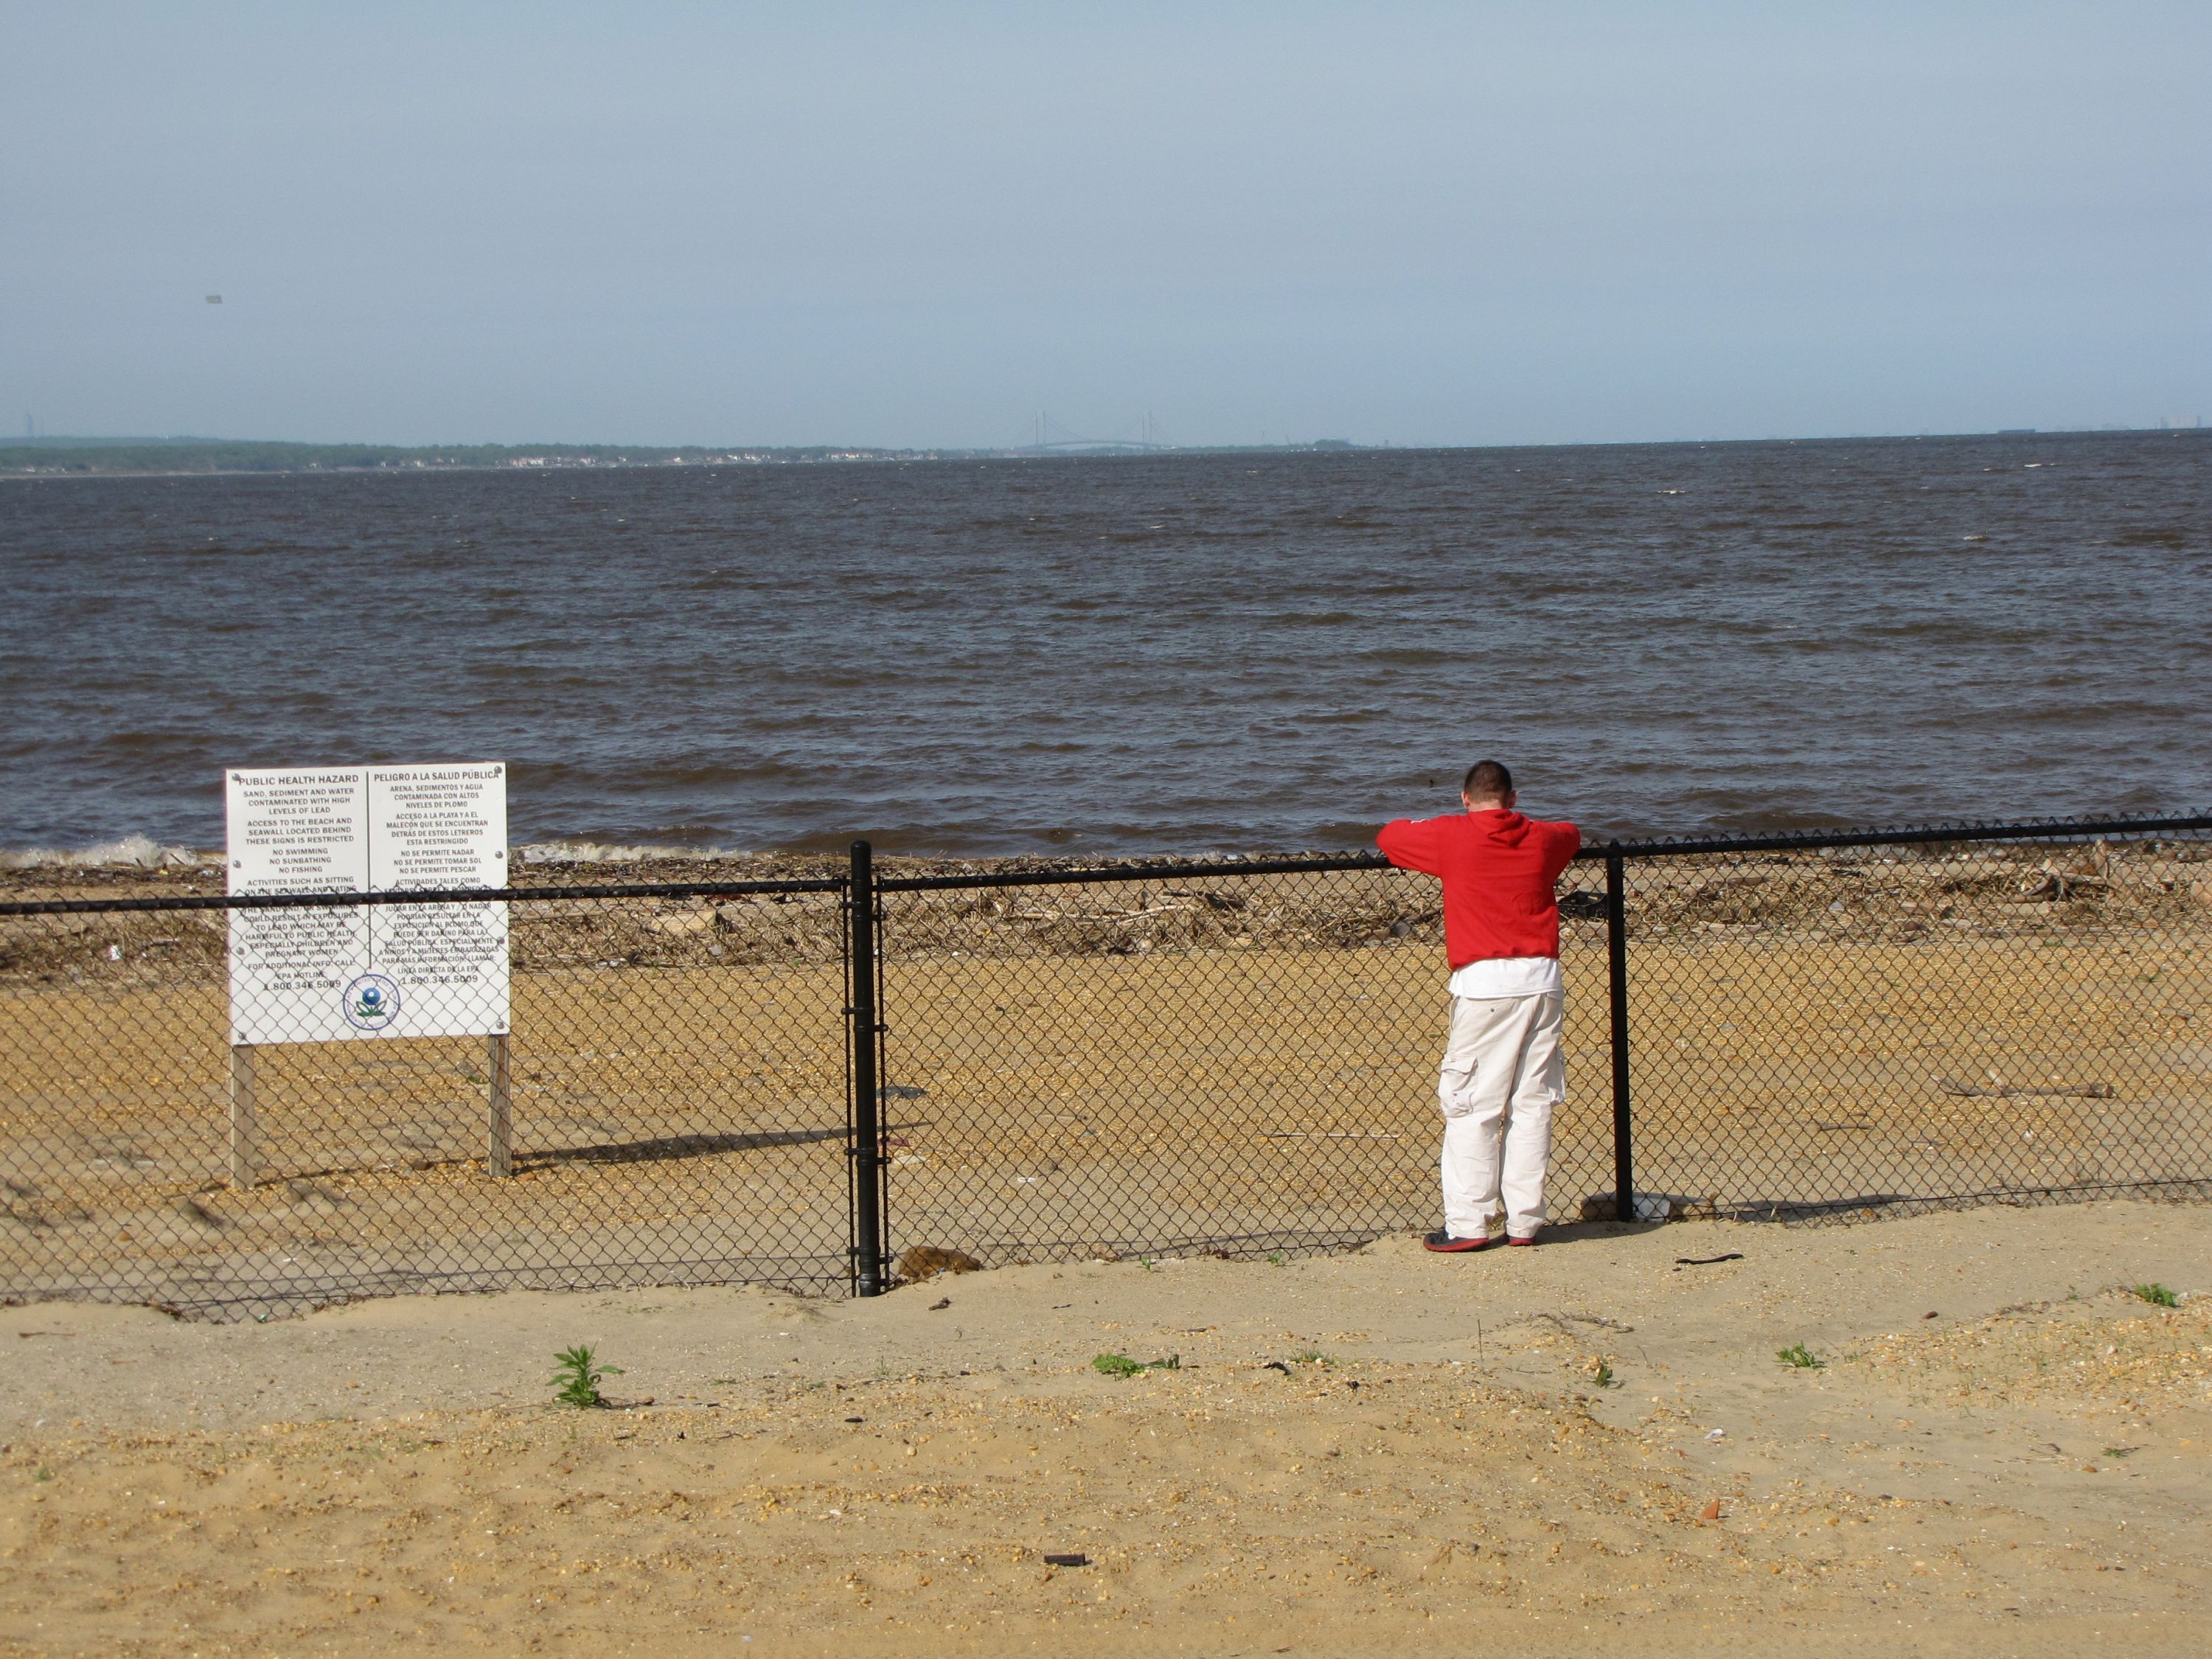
{"points": [[1487, 780]]}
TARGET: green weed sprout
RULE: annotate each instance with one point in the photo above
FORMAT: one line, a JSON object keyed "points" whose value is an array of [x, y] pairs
{"points": [[2157, 1295], [1602, 1376], [576, 1378], [1119, 1365], [1801, 1356]]}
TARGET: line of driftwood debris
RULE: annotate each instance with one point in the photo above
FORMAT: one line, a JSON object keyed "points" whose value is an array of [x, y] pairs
{"points": [[1939, 897], [2000, 1090]]}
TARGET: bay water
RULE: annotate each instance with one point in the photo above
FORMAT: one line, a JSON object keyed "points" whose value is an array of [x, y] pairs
{"points": [[1186, 652]]}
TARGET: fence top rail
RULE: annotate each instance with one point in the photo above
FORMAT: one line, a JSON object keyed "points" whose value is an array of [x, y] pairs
{"points": [[420, 896], [1182, 870], [1788, 841], [1903, 835]]}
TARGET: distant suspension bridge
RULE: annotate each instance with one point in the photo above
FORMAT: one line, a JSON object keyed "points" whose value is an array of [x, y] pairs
{"points": [[1045, 436]]}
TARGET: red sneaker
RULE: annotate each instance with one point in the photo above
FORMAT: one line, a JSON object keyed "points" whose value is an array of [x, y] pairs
{"points": [[1443, 1241], [1522, 1243]]}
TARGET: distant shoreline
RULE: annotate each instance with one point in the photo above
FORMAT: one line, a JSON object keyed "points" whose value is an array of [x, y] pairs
{"points": [[174, 457], [215, 458]]}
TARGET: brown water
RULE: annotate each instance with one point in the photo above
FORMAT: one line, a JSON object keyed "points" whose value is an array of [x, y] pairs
{"points": [[1171, 654]]}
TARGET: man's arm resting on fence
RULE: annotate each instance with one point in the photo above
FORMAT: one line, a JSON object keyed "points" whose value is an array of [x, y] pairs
{"points": [[1414, 844], [1563, 841]]}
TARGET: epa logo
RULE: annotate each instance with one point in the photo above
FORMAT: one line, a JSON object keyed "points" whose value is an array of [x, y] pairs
{"points": [[371, 1003]]}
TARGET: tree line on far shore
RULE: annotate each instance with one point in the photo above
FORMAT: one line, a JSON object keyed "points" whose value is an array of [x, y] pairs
{"points": [[49, 457]]}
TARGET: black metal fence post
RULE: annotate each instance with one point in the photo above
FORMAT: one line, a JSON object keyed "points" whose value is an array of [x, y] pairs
{"points": [[863, 1029], [1616, 952]]}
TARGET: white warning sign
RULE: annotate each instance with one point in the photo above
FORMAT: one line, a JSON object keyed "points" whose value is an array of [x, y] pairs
{"points": [[324, 974]]}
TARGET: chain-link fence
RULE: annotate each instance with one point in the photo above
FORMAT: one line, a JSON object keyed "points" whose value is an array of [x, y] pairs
{"points": [[1239, 1060], [1826, 1029], [667, 1106], [1234, 1060], [1232, 1057]]}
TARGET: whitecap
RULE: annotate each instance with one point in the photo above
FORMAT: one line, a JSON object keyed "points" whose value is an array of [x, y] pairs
{"points": [[593, 851], [136, 851]]}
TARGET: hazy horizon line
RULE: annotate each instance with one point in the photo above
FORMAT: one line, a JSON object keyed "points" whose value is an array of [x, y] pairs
{"points": [[1071, 446]]}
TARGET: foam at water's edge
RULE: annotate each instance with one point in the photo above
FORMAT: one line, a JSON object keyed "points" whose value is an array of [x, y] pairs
{"points": [[595, 852], [134, 851], [139, 852]]}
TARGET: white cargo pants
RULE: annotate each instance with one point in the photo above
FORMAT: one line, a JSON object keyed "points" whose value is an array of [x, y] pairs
{"points": [[1502, 1073]]}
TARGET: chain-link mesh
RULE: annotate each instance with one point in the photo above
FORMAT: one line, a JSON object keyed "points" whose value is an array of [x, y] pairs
{"points": [[1233, 1058], [669, 1108], [1235, 1063], [1830, 1030], [1240, 1060]]}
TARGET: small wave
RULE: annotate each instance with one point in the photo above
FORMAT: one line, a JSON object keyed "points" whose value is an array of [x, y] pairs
{"points": [[1408, 657], [137, 852], [600, 852], [141, 852]]}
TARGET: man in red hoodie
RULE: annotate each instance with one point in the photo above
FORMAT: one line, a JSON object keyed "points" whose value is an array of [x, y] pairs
{"points": [[1502, 1069]]}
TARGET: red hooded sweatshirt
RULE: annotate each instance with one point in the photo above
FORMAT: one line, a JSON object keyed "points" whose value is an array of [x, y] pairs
{"points": [[1500, 872]]}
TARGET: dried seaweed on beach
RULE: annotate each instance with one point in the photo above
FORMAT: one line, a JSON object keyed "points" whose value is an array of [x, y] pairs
{"points": [[1892, 896]]}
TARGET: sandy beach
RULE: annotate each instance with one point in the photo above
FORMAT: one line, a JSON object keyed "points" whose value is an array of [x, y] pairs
{"points": [[1587, 1447]]}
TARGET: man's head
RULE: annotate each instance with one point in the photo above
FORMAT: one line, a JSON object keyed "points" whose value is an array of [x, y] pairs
{"points": [[1487, 786]]}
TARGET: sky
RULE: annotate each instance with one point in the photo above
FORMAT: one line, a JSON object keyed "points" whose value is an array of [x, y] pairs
{"points": [[918, 224]]}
